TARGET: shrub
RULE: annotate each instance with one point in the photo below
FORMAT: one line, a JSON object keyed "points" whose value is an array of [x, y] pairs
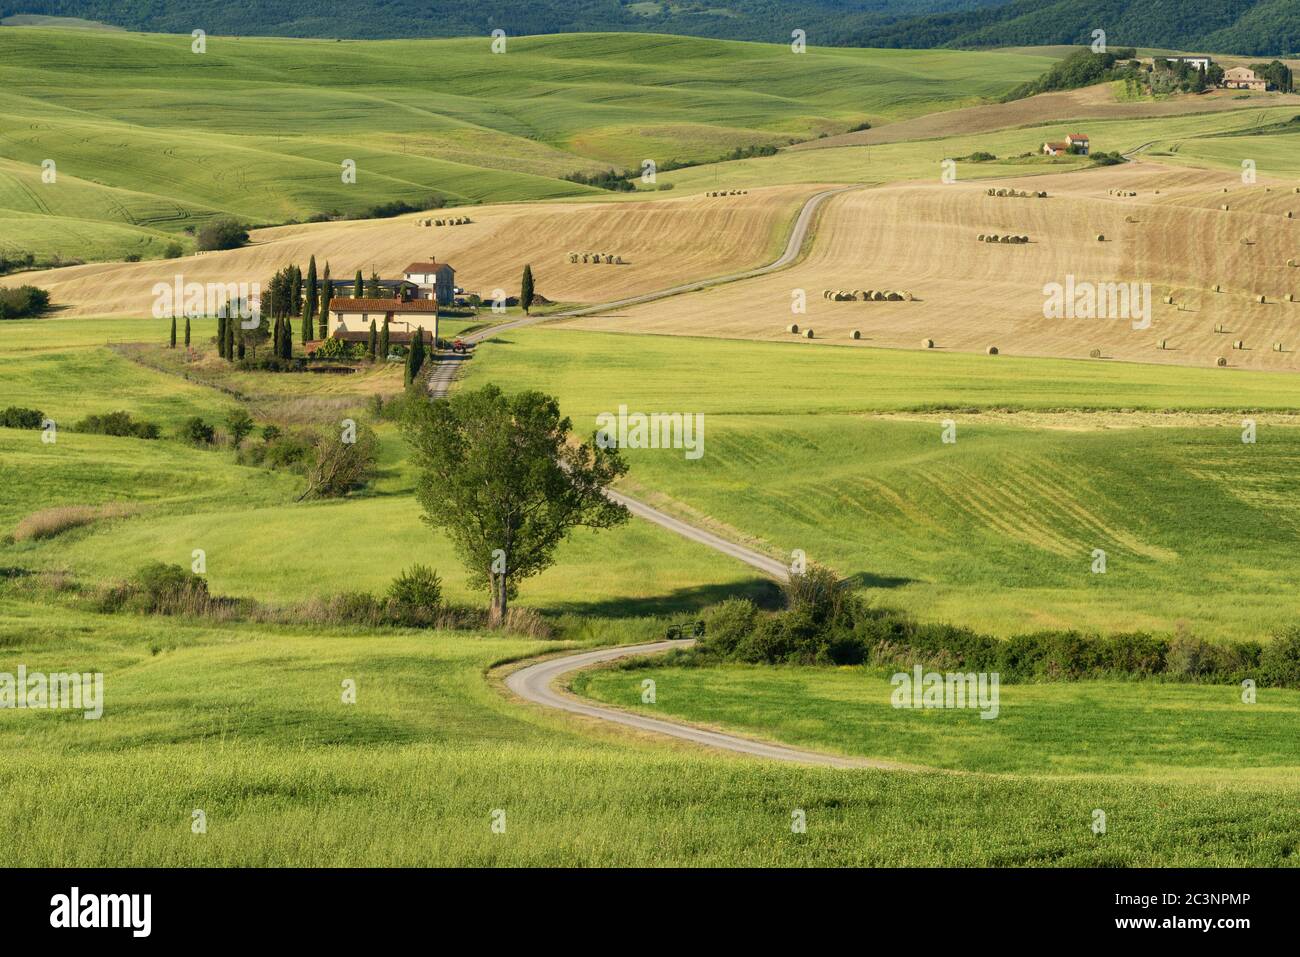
{"points": [[225, 233], [159, 588], [23, 302], [173, 250], [117, 423], [197, 432], [1280, 659], [727, 623], [417, 587], [16, 417]]}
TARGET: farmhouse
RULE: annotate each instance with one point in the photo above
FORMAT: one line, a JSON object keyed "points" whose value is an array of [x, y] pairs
{"points": [[1076, 143], [435, 280], [1056, 149], [1195, 62], [1243, 78], [350, 318]]}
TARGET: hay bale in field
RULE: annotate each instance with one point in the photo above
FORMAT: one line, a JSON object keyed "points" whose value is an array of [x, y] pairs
{"points": [[1217, 288], [1169, 300], [1290, 297], [1219, 329], [980, 238], [1042, 194], [1247, 241], [1238, 344], [909, 297], [1162, 343], [868, 294], [855, 334], [1292, 262], [807, 333], [1277, 347], [1261, 299], [992, 350], [878, 296], [793, 328], [1290, 215], [618, 260], [895, 297], [1224, 207], [1024, 239], [573, 257], [1101, 237], [1221, 361], [927, 343], [1094, 354], [1130, 219]]}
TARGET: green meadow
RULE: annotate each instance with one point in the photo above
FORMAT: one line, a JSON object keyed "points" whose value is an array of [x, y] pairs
{"points": [[996, 530], [247, 725], [1138, 729], [149, 137]]}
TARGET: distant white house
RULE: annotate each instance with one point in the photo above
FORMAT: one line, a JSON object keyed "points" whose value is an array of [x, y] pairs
{"points": [[1195, 62], [435, 280]]}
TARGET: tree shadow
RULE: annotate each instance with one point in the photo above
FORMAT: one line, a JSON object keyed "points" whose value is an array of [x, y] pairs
{"points": [[763, 592], [872, 580]]}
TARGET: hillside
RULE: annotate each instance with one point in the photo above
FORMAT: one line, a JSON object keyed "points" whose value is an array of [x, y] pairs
{"points": [[828, 21], [1255, 27], [150, 139]]}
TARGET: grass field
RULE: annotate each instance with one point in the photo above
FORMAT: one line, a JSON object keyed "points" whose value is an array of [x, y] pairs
{"points": [[1136, 730], [995, 531], [149, 137], [248, 727]]}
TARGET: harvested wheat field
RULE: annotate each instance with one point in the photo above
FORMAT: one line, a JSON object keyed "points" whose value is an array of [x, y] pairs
{"points": [[976, 296], [658, 241]]}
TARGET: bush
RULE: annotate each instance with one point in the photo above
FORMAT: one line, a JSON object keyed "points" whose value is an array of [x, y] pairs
{"points": [[417, 587], [1280, 659], [173, 250], [727, 623], [16, 417], [225, 233], [159, 588], [117, 423], [23, 302], [197, 432]]}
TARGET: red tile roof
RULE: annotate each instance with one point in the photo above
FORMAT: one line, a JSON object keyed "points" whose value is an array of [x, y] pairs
{"points": [[346, 304], [1076, 136], [432, 266]]}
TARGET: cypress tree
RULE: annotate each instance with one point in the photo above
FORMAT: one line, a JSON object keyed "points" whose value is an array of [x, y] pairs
{"points": [[374, 340], [239, 348], [173, 345], [526, 288], [276, 334], [286, 340], [383, 340], [187, 332], [326, 294], [221, 336], [230, 340], [309, 305], [357, 291]]}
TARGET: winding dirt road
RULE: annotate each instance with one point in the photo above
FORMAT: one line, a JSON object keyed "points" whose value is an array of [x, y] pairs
{"points": [[536, 683]]}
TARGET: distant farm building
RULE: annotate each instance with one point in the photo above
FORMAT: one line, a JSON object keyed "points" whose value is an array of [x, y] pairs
{"points": [[1243, 78], [435, 280], [1076, 143], [350, 318]]}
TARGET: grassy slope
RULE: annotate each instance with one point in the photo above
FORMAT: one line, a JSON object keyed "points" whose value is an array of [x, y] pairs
{"points": [[247, 726], [996, 531], [1131, 729], [150, 137]]}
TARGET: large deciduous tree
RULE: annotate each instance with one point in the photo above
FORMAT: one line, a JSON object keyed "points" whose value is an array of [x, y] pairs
{"points": [[500, 475]]}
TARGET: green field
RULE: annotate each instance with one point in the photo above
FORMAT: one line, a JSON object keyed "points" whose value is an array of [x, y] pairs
{"points": [[150, 138], [995, 531], [1139, 730], [247, 726]]}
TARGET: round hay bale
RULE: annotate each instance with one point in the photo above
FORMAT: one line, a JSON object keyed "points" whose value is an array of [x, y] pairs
{"points": [[855, 334], [1291, 262], [1238, 344], [1260, 299], [1221, 361], [807, 333], [992, 350], [878, 296], [1277, 347], [1217, 288], [1101, 237], [1094, 354], [1224, 207], [1162, 343], [895, 297], [793, 328], [1169, 300], [909, 297], [980, 238], [1218, 328], [1290, 297], [927, 343]]}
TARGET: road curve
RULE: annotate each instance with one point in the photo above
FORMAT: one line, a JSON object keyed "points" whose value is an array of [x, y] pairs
{"points": [[536, 683]]}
